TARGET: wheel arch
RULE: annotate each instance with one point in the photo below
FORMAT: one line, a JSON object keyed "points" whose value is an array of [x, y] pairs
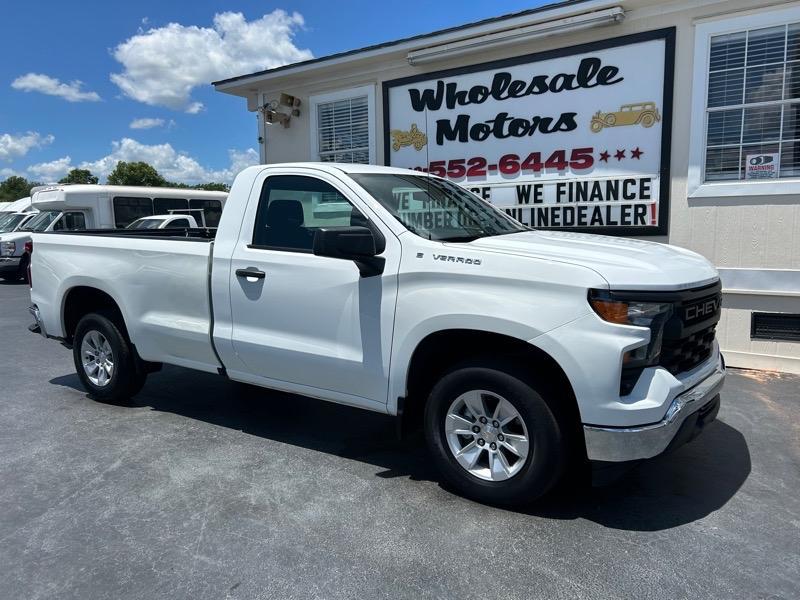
{"points": [[442, 349], [80, 300]]}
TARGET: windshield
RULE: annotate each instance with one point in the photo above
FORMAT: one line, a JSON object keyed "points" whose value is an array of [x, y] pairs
{"points": [[146, 224], [41, 221], [10, 222], [436, 209], [4, 217]]}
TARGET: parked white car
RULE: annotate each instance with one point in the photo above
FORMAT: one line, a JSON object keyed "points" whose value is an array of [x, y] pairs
{"points": [[79, 207], [521, 353], [164, 222]]}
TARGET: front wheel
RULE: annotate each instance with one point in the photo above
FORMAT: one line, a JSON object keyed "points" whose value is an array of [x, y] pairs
{"points": [[494, 435], [105, 360]]}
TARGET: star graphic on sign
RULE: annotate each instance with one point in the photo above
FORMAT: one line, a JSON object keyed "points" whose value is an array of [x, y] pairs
{"points": [[604, 156], [636, 153], [619, 154]]}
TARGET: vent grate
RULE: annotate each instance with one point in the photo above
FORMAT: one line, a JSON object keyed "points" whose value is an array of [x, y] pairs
{"points": [[775, 326]]}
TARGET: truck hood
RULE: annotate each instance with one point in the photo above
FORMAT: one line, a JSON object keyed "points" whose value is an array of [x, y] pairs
{"points": [[623, 262]]}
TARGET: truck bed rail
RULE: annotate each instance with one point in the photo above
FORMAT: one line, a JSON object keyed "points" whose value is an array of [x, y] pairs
{"points": [[195, 234]]}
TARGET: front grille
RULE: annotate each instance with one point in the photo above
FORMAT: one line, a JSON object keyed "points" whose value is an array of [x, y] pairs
{"points": [[687, 336], [685, 354]]}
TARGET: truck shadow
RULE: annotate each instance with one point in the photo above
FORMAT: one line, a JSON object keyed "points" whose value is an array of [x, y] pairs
{"points": [[663, 493]]}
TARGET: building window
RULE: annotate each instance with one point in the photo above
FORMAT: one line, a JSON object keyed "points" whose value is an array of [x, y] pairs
{"points": [[753, 101], [342, 126]]}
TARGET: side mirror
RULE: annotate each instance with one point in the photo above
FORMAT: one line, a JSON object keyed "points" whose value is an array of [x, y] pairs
{"points": [[358, 244]]}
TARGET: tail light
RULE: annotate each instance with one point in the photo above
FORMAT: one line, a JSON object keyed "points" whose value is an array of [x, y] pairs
{"points": [[29, 252]]}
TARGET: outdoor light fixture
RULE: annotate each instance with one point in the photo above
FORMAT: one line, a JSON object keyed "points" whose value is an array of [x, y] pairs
{"points": [[291, 101], [607, 16], [273, 115]]}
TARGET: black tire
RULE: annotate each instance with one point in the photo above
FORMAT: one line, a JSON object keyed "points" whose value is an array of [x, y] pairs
{"points": [[129, 373], [22, 272], [549, 444]]}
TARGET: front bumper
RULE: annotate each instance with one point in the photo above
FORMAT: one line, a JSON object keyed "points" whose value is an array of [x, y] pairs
{"points": [[9, 264], [691, 409]]}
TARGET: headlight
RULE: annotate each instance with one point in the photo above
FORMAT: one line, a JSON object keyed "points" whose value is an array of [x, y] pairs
{"points": [[8, 248], [653, 315], [626, 312]]}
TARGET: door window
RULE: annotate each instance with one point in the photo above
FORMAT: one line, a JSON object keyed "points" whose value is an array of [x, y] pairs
{"points": [[71, 221], [293, 207]]}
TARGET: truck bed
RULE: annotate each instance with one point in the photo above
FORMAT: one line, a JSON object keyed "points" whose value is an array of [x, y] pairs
{"points": [[158, 278]]}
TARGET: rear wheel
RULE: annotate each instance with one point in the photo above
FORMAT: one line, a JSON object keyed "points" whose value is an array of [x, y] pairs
{"points": [[105, 360], [494, 434]]}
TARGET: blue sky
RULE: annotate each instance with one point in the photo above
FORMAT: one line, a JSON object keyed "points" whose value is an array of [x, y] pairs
{"points": [[132, 65]]}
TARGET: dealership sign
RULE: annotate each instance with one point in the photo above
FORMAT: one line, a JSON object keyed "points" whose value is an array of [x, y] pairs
{"points": [[576, 138]]}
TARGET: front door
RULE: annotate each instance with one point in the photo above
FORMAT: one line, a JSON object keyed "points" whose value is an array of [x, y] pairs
{"points": [[303, 322]]}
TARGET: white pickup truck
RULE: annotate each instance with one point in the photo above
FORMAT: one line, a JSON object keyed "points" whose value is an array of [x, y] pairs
{"points": [[523, 354]]}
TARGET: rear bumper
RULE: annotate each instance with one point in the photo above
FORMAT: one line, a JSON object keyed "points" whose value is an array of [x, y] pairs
{"points": [[37, 326], [9, 264], [688, 412]]}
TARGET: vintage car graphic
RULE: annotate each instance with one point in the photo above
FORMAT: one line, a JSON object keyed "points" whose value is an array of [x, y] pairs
{"points": [[413, 137], [643, 113]]}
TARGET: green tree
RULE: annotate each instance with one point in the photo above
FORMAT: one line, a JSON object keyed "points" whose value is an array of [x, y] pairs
{"points": [[214, 187], [14, 188], [136, 173], [79, 176]]}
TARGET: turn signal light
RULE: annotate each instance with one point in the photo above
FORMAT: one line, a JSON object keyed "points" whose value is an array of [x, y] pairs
{"points": [[611, 310]]}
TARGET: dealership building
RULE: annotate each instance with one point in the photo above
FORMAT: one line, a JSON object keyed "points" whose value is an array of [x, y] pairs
{"points": [[673, 121]]}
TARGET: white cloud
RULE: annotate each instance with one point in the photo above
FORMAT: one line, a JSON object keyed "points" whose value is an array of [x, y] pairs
{"points": [[4, 173], [163, 65], [48, 172], [12, 146], [174, 165], [147, 123], [38, 82]]}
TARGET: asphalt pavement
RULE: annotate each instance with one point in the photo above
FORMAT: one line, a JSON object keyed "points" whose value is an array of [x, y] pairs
{"points": [[208, 489]]}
